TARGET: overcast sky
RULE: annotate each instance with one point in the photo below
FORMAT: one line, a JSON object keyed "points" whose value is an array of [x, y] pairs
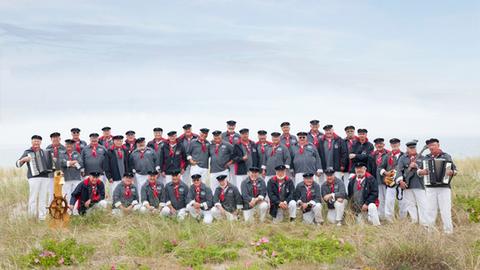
{"points": [[408, 69]]}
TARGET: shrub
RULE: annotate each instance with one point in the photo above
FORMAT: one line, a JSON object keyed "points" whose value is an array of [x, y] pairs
{"points": [[471, 205]]}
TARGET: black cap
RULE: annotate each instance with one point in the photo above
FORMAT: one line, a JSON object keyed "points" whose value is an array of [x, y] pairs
{"points": [[129, 175], [280, 168], [379, 140], [106, 128], [314, 122], [140, 140], [130, 132], [36, 137], [175, 172], [362, 130], [243, 130], [302, 133], [329, 171], [158, 129], [54, 134], [284, 124], [360, 164], [69, 141], [254, 169], [262, 132], [94, 135], [75, 130], [276, 134], [171, 133], [187, 126], [204, 130], [432, 140], [394, 141], [196, 176], [95, 174], [217, 133], [412, 143], [327, 127], [308, 175], [231, 123], [222, 177], [349, 127], [152, 172], [117, 137]]}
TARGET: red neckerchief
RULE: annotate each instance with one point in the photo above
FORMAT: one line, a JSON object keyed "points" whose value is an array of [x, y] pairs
{"points": [[262, 147], [119, 152], [94, 149], [197, 193], [105, 141], [301, 149], [142, 153], [230, 136], [309, 193], [217, 146], [175, 190], [55, 151], [393, 153], [276, 179], [128, 191], [350, 142], [35, 149], [440, 152], [153, 186], [366, 140], [332, 187], [171, 153], [379, 154], [204, 145], [222, 193], [69, 153], [156, 143], [287, 140], [412, 157], [274, 149], [315, 137], [255, 189], [330, 141], [359, 183], [78, 147], [247, 146], [131, 145], [95, 196]]}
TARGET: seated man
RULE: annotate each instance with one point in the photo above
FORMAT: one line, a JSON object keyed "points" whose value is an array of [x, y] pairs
{"points": [[363, 195], [334, 194], [308, 197], [125, 196], [153, 198], [280, 192], [90, 194], [201, 200], [227, 199], [175, 197], [254, 191]]}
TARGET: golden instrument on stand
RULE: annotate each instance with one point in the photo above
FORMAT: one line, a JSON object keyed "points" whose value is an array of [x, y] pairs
{"points": [[58, 208]]}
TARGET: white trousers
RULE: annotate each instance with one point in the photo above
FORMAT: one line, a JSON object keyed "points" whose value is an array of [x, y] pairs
{"points": [[313, 215], [371, 215], [346, 180], [119, 212], [218, 214], [195, 169], [262, 209], [181, 213], [50, 190], [416, 205], [186, 177], [231, 172], [238, 181], [140, 180], [214, 182], [37, 198], [205, 214], [336, 215], [69, 187], [390, 198], [292, 212], [382, 191], [145, 210], [440, 198]]}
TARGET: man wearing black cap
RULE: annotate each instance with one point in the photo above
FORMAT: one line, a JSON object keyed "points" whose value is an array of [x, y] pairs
{"points": [[308, 196], [332, 151], [125, 196], [106, 139], [281, 190], [378, 156], [334, 194], [198, 155], [361, 151], [221, 153], [38, 180], [412, 185], [79, 144], [363, 195], [305, 159], [227, 200], [158, 140], [141, 161], [152, 194], [173, 157], [200, 200], [276, 154], [230, 135], [54, 150], [176, 193], [245, 156], [286, 138], [262, 145], [130, 142], [389, 166], [350, 140], [186, 140], [254, 192], [117, 163], [70, 164], [314, 135], [89, 194], [94, 157], [439, 197]]}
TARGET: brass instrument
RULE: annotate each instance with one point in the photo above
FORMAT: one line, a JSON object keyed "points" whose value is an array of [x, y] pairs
{"points": [[58, 208], [389, 179]]}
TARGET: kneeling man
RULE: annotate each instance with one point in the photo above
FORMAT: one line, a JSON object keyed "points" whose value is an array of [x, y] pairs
{"points": [[125, 196], [201, 200], [254, 191], [280, 192], [227, 199], [334, 194], [363, 195], [152, 194], [308, 197]]}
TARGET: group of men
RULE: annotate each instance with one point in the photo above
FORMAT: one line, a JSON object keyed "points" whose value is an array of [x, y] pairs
{"points": [[231, 174]]}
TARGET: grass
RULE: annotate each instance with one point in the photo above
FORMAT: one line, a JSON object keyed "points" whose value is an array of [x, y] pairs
{"points": [[137, 242]]}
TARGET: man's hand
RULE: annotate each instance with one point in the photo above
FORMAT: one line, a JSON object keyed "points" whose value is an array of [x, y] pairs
{"points": [[25, 159], [423, 172], [110, 180], [403, 185], [87, 203], [304, 206], [340, 200], [412, 165], [196, 205], [172, 210], [245, 157], [327, 197], [364, 207], [252, 203], [264, 172], [164, 174], [283, 205], [182, 171], [450, 173], [193, 162], [342, 168], [352, 156]]}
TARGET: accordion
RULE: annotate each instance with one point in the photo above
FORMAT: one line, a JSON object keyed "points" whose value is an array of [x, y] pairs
{"points": [[437, 172], [38, 163]]}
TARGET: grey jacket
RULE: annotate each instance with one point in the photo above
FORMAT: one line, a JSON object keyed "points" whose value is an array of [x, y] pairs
{"points": [[70, 172], [219, 159], [306, 162], [171, 199], [275, 156], [142, 164], [148, 194], [119, 197], [232, 199], [204, 194], [339, 191], [196, 153], [90, 163], [247, 191]]}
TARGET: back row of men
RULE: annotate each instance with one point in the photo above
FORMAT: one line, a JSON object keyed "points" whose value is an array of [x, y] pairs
{"points": [[235, 154]]}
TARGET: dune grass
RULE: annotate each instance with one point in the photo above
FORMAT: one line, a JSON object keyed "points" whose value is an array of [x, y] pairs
{"points": [[139, 242]]}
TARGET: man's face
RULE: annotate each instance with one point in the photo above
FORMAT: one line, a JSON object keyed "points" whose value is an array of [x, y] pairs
{"points": [[329, 133], [280, 174], [127, 181], [69, 147], [244, 136], [173, 138], [360, 171], [107, 133], [152, 178], [314, 127], [330, 179], [75, 135], [158, 135], [231, 128], [141, 145], [55, 140], [395, 146], [380, 146], [262, 138], [286, 129], [412, 151], [176, 178], [203, 136], [94, 179], [217, 139], [131, 137], [302, 139], [253, 175], [36, 143], [188, 131], [350, 133], [93, 140], [434, 147], [197, 182], [362, 136], [275, 140], [223, 183], [117, 142], [308, 181]]}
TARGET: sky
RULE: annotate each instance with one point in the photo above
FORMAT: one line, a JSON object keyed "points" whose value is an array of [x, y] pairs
{"points": [[406, 69]]}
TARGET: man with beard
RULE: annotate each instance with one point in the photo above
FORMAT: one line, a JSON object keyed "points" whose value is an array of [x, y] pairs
{"points": [[281, 190]]}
